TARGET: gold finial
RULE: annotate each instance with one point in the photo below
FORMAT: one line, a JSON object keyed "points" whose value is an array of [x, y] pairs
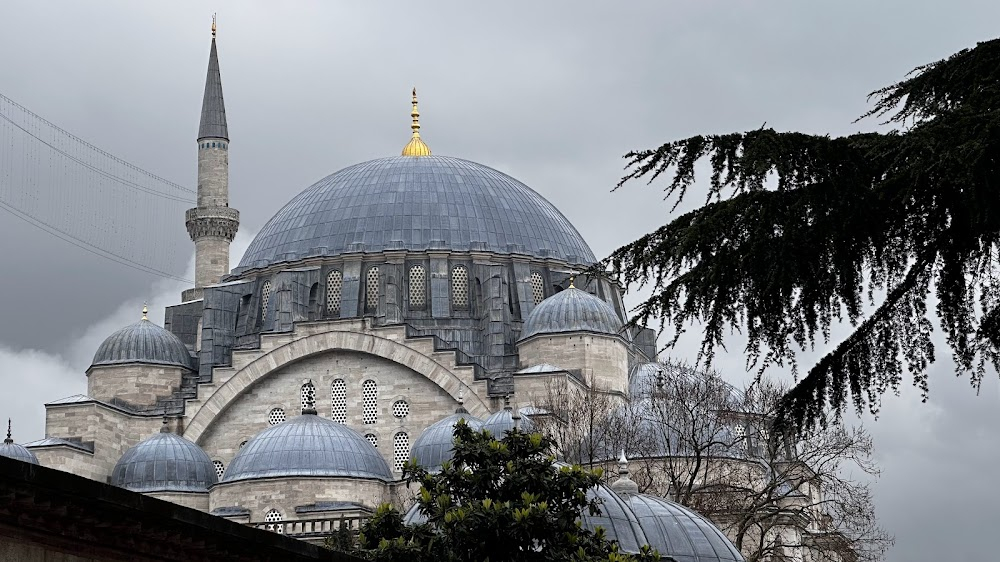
{"points": [[416, 146], [145, 310], [213, 26], [572, 278]]}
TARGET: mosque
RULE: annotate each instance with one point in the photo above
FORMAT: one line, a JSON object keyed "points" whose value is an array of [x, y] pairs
{"points": [[375, 309]]}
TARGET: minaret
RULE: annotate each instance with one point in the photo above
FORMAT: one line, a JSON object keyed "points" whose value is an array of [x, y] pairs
{"points": [[212, 224]]}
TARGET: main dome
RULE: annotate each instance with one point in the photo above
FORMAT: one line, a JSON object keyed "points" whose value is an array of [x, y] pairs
{"points": [[409, 203]]}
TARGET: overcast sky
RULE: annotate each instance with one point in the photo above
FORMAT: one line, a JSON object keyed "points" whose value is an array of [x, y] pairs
{"points": [[552, 93]]}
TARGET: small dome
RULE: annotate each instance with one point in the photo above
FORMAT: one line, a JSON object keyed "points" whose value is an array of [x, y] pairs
{"points": [[571, 310], [501, 422], [307, 445], [12, 450], [165, 462], [434, 446], [680, 533], [143, 342]]}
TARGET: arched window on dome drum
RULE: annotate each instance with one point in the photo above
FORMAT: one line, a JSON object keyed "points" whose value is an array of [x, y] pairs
{"points": [[265, 297], [418, 286], [313, 301], [308, 396], [338, 397], [220, 469], [369, 402], [371, 289], [460, 287], [400, 450], [537, 287], [334, 286], [273, 516]]}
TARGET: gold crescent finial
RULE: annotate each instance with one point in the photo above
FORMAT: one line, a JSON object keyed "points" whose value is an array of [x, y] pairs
{"points": [[572, 279], [213, 26], [145, 310], [416, 146]]}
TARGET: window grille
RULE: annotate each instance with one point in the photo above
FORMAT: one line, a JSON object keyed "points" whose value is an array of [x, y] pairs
{"points": [[371, 289], [418, 286], [272, 516], [265, 297], [275, 416], [334, 285], [373, 439], [369, 402], [537, 287], [220, 469], [308, 396], [460, 286], [400, 450], [338, 396], [400, 409]]}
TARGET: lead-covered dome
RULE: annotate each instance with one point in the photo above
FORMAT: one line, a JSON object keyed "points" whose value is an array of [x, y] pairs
{"points": [[143, 342], [12, 450], [307, 445], [571, 310], [408, 203], [165, 462], [680, 533], [435, 444]]}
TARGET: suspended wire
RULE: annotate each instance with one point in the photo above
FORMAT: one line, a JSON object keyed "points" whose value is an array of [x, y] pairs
{"points": [[74, 191]]}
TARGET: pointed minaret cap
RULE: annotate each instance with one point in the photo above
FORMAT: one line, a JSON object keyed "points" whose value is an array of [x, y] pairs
{"points": [[9, 440], [416, 146], [624, 484], [213, 108]]}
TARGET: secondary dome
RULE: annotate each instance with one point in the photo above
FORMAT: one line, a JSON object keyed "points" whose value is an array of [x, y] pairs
{"points": [[680, 533], [571, 310], [307, 445], [12, 450], [434, 446], [143, 342], [408, 203], [165, 462], [502, 421]]}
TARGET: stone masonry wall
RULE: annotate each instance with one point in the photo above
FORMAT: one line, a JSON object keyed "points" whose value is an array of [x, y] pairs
{"points": [[192, 500], [136, 384], [247, 414], [601, 360], [285, 494]]}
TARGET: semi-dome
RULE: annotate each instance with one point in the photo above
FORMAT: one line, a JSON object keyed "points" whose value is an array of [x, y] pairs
{"points": [[165, 462], [307, 445], [416, 203], [12, 450], [571, 310], [680, 533], [143, 342], [434, 446]]}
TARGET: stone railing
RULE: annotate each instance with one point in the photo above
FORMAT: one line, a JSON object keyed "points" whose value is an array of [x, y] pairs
{"points": [[309, 528]]}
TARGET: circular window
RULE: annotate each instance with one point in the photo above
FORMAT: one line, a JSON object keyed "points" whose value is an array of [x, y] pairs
{"points": [[276, 416], [400, 408]]}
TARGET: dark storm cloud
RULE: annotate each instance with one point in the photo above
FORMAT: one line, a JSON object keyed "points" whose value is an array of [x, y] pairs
{"points": [[551, 92]]}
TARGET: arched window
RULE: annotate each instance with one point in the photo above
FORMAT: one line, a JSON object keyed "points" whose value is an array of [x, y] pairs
{"points": [[373, 439], [334, 284], [418, 286], [308, 396], [313, 301], [265, 297], [460, 286], [537, 287], [243, 443], [338, 396], [273, 516], [371, 289], [369, 402], [275, 416], [400, 450], [220, 469]]}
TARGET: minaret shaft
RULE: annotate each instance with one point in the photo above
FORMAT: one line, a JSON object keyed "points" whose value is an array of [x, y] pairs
{"points": [[212, 225]]}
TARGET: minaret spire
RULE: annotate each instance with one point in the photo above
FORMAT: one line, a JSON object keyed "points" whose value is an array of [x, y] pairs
{"points": [[416, 146], [212, 225]]}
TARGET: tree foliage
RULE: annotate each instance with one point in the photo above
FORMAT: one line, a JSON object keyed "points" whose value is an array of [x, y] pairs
{"points": [[502, 500], [799, 232]]}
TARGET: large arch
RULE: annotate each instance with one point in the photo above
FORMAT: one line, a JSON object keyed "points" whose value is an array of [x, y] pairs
{"points": [[323, 342]]}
